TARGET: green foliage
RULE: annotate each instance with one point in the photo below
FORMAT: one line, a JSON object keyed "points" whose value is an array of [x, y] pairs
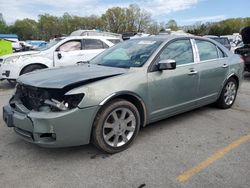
{"points": [[117, 20], [172, 25], [225, 27], [131, 19]]}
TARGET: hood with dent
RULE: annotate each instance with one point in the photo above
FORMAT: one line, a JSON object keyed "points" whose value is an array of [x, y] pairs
{"points": [[58, 78], [20, 54]]}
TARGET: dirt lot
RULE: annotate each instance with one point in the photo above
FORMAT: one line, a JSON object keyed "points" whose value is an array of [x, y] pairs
{"points": [[207, 147]]}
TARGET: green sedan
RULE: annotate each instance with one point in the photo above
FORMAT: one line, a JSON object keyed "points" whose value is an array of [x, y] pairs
{"points": [[107, 100]]}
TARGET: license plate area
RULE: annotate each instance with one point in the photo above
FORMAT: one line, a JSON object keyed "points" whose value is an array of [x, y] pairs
{"points": [[8, 116]]}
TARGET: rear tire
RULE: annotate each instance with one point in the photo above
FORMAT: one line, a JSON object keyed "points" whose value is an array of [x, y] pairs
{"points": [[228, 94], [116, 126], [31, 68]]}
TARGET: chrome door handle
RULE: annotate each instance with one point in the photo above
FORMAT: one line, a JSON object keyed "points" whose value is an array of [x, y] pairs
{"points": [[225, 66], [192, 72]]}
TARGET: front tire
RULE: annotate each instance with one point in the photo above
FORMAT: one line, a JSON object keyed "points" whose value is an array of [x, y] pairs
{"points": [[228, 94], [116, 126]]}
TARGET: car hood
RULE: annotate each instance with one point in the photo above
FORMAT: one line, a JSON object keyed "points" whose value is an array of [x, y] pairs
{"points": [[20, 54], [58, 78]]}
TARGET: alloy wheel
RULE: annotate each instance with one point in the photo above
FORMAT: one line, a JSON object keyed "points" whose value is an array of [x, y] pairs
{"points": [[119, 127], [230, 93]]}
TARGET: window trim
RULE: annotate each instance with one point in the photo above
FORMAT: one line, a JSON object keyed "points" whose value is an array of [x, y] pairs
{"points": [[217, 50], [152, 66], [78, 40]]}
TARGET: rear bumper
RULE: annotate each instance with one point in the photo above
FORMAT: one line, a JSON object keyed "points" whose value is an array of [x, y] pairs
{"points": [[55, 129]]}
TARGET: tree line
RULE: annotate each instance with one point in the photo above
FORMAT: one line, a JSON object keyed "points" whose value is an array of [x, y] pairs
{"points": [[117, 20]]}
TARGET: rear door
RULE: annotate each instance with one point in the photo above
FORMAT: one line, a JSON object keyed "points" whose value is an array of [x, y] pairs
{"points": [[173, 91], [212, 67], [92, 47]]}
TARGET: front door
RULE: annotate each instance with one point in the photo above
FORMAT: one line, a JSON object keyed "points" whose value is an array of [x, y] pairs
{"points": [[69, 53], [173, 91]]}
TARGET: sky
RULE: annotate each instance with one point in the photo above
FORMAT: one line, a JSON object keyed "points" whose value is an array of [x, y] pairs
{"points": [[185, 12]]}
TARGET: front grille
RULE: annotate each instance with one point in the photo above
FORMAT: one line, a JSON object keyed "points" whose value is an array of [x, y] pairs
{"points": [[33, 98]]}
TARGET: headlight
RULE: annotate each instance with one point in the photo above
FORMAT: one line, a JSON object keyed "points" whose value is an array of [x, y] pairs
{"points": [[68, 102], [11, 59]]}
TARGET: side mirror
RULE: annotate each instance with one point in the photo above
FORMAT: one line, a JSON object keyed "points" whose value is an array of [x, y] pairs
{"points": [[59, 55], [168, 64]]}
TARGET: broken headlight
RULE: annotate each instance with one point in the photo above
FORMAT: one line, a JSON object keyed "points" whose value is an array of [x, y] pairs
{"points": [[66, 103]]}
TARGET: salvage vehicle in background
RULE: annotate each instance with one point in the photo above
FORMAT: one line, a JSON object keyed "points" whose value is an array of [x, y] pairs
{"points": [[222, 40], [244, 50], [58, 53], [126, 87]]}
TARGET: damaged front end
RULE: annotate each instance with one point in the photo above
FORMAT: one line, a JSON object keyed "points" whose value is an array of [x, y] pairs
{"points": [[49, 117], [45, 100]]}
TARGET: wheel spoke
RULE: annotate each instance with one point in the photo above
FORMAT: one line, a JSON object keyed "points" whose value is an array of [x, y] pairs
{"points": [[114, 115], [129, 119], [131, 129], [123, 115], [108, 125], [109, 135], [116, 140], [124, 138]]}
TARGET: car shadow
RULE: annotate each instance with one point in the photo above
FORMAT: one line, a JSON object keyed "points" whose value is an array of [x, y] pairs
{"points": [[247, 76], [5, 85]]}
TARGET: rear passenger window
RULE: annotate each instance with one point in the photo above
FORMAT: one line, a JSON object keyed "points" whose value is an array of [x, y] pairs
{"points": [[180, 51], [91, 44], [207, 50]]}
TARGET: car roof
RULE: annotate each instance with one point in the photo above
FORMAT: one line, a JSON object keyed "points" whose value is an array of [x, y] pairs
{"points": [[165, 38], [91, 37]]}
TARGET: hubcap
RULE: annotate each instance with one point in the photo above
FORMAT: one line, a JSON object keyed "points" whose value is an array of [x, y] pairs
{"points": [[230, 93], [119, 127]]}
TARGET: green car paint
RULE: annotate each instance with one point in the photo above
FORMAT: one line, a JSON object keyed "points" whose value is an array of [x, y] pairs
{"points": [[5, 47], [159, 93]]}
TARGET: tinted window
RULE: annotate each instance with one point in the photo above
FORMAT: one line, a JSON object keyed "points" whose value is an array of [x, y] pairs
{"points": [[180, 51], [207, 50], [114, 41], [70, 46], [91, 44]]}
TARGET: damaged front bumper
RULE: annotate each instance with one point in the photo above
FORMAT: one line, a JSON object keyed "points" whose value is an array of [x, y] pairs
{"points": [[51, 129]]}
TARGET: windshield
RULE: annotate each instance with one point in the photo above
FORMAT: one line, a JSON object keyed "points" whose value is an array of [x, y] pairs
{"points": [[132, 53], [49, 45]]}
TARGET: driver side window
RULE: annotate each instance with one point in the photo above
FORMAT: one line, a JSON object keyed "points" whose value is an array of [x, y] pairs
{"points": [[180, 51], [70, 46]]}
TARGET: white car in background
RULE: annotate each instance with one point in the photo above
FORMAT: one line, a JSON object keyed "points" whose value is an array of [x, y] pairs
{"points": [[58, 53]]}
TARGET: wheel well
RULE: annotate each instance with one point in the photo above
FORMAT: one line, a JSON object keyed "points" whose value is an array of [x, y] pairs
{"points": [[139, 104], [42, 65], [236, 78]]}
